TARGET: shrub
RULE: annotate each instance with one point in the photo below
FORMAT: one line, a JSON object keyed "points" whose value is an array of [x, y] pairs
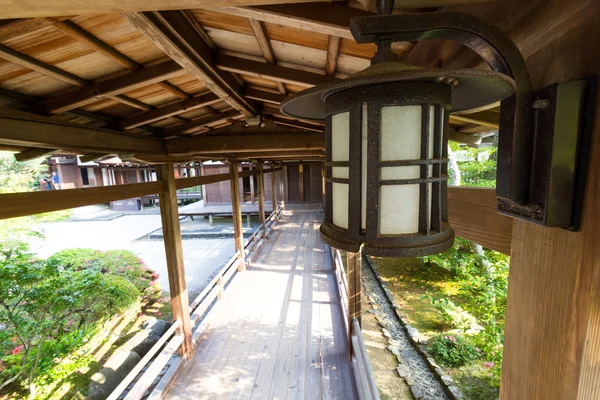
{"points": [[453, 350], [47, 312], [122, 263]]}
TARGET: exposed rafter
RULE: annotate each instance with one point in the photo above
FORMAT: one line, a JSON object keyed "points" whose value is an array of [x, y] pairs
{"points": [[260, 32], [168, 111], [193, 125], [111, 87], [263, 95], [269, 71], [333, 47], [246, 142], [173, 33]]}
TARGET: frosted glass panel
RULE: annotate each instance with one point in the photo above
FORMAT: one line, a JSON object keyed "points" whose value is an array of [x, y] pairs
{"points": [[429, 206], [431, 129], [339, 192], [340, 137], [399, 209], [401, 133], [339, 172], [363, 190], [412, 172]]}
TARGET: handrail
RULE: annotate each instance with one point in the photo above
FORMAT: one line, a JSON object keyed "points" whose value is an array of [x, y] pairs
{"points": [[197, 307]]}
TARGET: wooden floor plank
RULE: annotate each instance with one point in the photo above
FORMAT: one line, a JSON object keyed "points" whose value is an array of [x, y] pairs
{"points": [[279, 331]]}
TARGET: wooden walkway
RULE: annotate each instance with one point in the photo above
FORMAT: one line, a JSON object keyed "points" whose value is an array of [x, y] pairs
{"points": [[278, 333]]}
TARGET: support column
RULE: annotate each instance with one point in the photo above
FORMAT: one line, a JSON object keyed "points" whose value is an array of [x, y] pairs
{"points": [[237, 214], [274, 191], [353, 262], [286, 192], [174, 252], [252, 198], [261, 198]]}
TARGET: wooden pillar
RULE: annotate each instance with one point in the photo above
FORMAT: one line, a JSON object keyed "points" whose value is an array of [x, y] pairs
{"points": [[353, 262], [552, 330], [174, 252], [252, 199], [286, 192], [237, 214], [274, 189], [301, 179], [261, 198]]}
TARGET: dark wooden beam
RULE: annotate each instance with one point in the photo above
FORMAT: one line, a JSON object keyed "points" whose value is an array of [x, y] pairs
{"points": [[326, 18], [25, 129], [168, 111], [263, 95], [173, 33], [270, 71], [279, 155], [189, 127], [297, 124], [111, 87], [260, 32], [31, 203], [31, 154], [55, 8], [243, 143], [76, 32]]}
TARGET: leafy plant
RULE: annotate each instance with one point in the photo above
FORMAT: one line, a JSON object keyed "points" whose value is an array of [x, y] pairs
{"points": [[453, 350], [454, 316]]}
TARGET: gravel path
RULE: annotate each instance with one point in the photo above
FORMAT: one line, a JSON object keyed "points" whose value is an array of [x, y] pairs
{"points": [[412, 367]]}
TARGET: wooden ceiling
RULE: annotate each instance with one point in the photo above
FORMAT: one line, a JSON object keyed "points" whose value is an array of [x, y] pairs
{"points": [[192, 70]]}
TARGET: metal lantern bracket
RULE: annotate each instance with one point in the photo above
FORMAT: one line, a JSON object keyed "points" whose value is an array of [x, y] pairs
{"points": [[545, 134]]}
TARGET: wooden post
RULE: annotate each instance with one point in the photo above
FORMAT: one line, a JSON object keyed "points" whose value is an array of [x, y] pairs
{"points": [[353, 261], [261, 198], [552, 330], [237, 214], [301, 179], [274, 191], [252, 198], [174, 252], [286, 192]]}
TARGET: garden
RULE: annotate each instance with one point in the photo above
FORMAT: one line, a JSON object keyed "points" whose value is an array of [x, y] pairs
{"points": [[62, 317], [457, 299]]}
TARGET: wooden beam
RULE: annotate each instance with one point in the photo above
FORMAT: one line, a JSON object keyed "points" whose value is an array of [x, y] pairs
{"points": [[171, 230], [333, 47], [173, 33], [326, 18], [25, 129], [260, 33], [245, 143], [270, 71], [472, 215], [263, 95], [490, 119], [274, 192], [466, 138], [188, 127], [237, 215], [168, 111], [76, 32], [297, 124], [55, 8], [32, 154], [31, 203], [111, 87]]}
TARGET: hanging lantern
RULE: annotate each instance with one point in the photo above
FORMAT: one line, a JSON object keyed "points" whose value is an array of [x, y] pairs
{"points": [[387, 153]]}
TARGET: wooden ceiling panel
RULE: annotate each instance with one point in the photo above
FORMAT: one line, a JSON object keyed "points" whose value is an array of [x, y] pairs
{"points": [[109, 108], [260, 82], [294, 88], [189, 84], [80, 66], [142, 50], [350, 65], [153, 95], [299, 55], [10, 70], [236, 42], [34, 84], [297, 36], [351, 48], [212, 19]]}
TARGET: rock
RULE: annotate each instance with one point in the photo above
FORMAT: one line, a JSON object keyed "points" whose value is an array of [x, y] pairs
{"points": [[386, 333], [456, 392], [447, 380], [114, 371]]}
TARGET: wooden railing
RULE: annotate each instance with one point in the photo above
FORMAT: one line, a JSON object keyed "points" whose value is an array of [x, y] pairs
{"points": [[363, 374], [199, 306]]}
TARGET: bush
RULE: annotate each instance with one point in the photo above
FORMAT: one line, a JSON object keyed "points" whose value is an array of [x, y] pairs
{"points": [[453, 350], [122, 263]]}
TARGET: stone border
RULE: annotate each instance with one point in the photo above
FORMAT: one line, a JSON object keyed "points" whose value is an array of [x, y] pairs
{"points": [[413, 334]]}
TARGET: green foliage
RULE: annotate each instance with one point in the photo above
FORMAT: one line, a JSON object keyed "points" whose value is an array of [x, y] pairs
{"points": [[480, 170], [454, 316], [20, 176], [122, 263], [453, 350], [48, 312]]}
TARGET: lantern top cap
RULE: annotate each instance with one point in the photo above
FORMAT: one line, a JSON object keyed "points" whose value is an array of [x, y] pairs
{"points": [[472, 88]]}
